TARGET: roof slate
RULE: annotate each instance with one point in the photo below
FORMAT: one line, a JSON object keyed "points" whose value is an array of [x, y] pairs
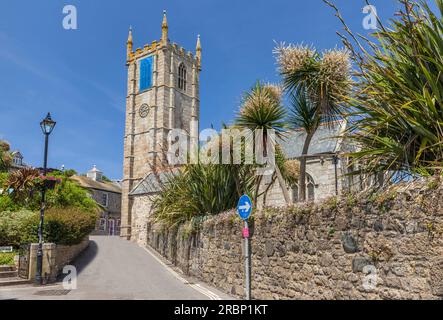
{"points": [[322, 142], [92, 184]]}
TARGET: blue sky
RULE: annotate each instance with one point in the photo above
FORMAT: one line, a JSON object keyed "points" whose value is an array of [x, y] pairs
{"points": [[80, 75]]}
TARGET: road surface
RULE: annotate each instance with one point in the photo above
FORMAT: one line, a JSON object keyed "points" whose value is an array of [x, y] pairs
{"points": [[113, 268]]}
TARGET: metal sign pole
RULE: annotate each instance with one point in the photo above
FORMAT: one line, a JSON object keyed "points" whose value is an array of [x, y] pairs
{"points": [[244, 208], [247, 265]]}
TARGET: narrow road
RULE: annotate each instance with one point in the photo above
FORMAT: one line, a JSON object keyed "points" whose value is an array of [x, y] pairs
{"points": [[113, 268]]}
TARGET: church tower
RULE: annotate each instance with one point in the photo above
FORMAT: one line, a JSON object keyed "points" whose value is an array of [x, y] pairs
{"points": [[163, 94]]}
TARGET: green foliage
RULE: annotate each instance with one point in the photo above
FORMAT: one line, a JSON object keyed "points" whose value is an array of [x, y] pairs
{"points": [[398, 101], [69, 194], [66, 226], [201, 190], [70, 172], [262, 109], [7, 258], [27, 194], [106, 179], [12, 227], [22, 183], [5, 156], [316, 83]]}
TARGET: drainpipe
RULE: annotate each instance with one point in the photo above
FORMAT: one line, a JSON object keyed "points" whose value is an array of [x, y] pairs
{"points": [[335, 162]]}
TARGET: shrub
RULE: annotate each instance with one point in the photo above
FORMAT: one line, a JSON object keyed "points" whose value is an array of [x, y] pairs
{"points": [[200, 190], [67, 193], [12, 227], [66, 226]]}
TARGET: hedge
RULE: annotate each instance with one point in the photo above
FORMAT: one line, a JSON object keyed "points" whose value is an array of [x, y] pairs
{"points": [[67, 226]]}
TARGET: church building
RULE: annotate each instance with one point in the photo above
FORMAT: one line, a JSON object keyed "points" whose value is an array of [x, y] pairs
{"points": [[162, 94]]}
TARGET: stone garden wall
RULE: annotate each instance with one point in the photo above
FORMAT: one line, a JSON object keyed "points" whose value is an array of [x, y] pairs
{"points": [[385, 246], [55, 257]]}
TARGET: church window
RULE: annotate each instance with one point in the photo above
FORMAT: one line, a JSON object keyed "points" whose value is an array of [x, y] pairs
{"points": [[146, 73], [310, 190], [182, 77]]}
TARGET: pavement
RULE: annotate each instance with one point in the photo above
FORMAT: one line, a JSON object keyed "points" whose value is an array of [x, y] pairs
{"points": [[113, 268]]}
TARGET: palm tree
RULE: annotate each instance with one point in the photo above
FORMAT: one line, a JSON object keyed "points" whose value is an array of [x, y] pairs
{"points": [[316, 84], [262, 109], [303, 113], [397, 117]]}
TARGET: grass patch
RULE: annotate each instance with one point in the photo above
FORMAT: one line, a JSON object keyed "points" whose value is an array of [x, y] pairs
{"points": [[7, 258]]}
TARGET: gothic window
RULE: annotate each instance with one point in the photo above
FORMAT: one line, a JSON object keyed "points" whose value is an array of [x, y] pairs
{"points": [[146, 73], [182, 77], [310, 190]]}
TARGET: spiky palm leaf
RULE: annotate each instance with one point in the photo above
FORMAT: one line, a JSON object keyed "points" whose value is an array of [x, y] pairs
{"points": [[317, 84], [398, 102], [262, 109]]}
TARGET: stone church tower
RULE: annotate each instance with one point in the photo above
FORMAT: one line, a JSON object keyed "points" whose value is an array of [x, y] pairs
{"points": [[163, 94]]}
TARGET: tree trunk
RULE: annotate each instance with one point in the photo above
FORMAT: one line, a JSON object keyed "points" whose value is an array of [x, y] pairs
{"points": [[302, 179], [282, 183]]}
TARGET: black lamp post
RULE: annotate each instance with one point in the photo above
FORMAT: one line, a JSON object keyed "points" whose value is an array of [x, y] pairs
{"points": [[47, 126]]}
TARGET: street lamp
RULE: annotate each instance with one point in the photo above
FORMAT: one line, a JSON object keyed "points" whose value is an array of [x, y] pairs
{"points": [[47, 125]]}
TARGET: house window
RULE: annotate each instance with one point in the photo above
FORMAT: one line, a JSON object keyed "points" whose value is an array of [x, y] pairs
{"points": [[117, 226], [104, 199], [182, 77], [102, 224]]}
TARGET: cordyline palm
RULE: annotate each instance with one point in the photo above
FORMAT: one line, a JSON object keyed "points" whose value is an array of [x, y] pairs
{"points": [[304, 114], [262, 109], [22, 183], [398, 100], [316, 84]]}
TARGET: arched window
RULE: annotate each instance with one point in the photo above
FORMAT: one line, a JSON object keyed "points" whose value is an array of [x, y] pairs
{"points": [[182, 77], [310, 189]]}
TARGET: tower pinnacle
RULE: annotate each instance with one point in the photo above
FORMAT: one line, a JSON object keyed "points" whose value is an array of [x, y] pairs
{"points": [[164, 28], [129, 44], [198, 51]]}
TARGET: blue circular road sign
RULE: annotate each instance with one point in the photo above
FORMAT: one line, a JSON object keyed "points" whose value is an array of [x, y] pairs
{"points": [[244, 207]]}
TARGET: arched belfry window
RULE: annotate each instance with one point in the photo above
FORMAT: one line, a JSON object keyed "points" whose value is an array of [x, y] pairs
{"points": [[182, 77]]}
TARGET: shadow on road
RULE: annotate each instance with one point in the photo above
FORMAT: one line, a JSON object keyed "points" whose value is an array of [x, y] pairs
{"points": [[83, 259]]}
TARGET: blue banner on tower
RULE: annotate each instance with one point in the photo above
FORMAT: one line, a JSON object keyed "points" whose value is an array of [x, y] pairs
{"points": [[146, 73]]}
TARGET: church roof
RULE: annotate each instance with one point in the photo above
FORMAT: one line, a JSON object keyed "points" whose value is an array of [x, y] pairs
{"points": [[151, 183], [322, 142]]}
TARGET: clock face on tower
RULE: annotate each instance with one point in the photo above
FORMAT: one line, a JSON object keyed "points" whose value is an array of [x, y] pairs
{"points": [[143, 111]]}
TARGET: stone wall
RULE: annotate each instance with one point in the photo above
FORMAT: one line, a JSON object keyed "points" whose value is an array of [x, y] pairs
{"points": [[55, 257], [384, 246]]}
